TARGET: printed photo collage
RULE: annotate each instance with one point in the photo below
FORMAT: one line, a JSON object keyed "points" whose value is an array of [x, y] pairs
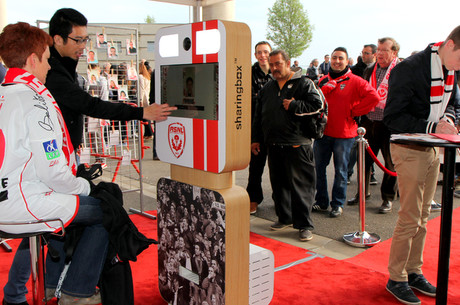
{"points": [[108, 77]]}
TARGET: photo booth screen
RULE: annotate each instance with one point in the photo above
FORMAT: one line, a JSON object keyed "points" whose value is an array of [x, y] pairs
{"points": [[192, 88]]}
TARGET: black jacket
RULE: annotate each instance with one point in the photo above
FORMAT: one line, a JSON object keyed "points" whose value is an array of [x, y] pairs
{"points": [[359, 68], [74, 102], [272, 123], [126, 243], [408, 103], [259, 79]]}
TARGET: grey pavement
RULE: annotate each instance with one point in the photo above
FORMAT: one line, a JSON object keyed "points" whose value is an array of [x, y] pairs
{"points": [[328, 232]]}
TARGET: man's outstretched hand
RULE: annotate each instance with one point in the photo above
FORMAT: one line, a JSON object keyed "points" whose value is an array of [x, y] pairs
{"points": [[158, 112]]}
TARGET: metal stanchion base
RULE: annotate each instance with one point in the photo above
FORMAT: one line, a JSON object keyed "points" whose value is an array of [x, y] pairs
{"points": [[361, 239], [6, 246], [142, 213]]}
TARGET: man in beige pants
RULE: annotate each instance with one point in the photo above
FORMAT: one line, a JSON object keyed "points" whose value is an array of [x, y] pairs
{"points": [[422, 98]]}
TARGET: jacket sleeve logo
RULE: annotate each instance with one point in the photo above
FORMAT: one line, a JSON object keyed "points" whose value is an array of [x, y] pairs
{"points": [[51, 150]]}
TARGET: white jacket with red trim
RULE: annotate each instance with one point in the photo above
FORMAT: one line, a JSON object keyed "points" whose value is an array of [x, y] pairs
{"points": [[37, 162]]}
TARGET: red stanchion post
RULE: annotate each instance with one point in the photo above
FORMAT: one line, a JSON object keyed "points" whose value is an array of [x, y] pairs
{"points": [[361, 238]]}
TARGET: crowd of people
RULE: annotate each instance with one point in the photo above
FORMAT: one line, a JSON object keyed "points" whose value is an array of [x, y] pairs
{"points": [[383, 94]]}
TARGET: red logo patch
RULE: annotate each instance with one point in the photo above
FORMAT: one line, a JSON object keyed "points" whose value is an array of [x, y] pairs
{"points": [[176, 138]]}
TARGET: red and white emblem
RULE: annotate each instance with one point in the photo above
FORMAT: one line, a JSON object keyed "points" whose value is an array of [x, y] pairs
{"points": [[176, 138]]}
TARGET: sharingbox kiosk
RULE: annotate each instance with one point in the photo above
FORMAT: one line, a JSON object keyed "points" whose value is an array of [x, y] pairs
{"points": [[204, 69]]}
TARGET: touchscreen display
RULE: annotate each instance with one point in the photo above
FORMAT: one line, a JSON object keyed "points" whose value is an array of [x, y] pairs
{"points": [[192, 88]]}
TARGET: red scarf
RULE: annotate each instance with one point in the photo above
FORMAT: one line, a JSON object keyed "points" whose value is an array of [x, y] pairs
{"points": [[331, 84], [382, 89]]}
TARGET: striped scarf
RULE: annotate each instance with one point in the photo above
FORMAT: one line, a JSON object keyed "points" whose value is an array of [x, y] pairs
{"points": [[440, 89]]}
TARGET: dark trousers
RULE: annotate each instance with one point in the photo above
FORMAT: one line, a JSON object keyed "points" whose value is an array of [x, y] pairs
{"points": [[148, 132], [293, 180], [256, 169], [378, 137]]}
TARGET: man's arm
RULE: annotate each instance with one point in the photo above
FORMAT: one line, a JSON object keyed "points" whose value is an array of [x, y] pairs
{"points": [[70, 95], [367, 98], [398, 116], [309, 100]]}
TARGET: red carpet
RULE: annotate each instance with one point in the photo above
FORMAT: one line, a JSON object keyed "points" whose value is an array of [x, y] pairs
{"points": [[358, 280]]}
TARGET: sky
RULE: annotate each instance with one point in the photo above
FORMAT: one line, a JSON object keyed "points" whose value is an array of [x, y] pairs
{"points": [[350, 24]]}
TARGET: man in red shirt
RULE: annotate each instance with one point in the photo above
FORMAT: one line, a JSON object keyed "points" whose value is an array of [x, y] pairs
{"points": [[348, 96]]}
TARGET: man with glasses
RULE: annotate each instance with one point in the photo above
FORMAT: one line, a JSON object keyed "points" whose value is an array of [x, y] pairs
{"points": [[368, 55], [68, 28], [377, 134]]}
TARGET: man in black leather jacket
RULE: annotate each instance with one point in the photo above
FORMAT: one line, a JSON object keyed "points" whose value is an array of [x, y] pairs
{"points": [[290, 153]]}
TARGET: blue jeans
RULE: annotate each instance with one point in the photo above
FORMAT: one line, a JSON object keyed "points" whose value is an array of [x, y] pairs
{"points": [[323, 149], [87, 263]]}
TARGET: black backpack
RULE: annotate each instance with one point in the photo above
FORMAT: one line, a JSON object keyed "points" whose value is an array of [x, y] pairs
{"points": [[312, 124]]}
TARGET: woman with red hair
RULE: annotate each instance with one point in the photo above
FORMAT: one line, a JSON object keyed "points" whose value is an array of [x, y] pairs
{"points": [[38, 166]]}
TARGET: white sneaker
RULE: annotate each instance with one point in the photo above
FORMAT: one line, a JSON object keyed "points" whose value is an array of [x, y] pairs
{"points": [[435, 207]]}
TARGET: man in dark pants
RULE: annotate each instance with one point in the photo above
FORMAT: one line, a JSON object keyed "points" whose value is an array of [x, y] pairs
{"points": [[260, 76], [377, 134], [290, 155], [367, 60]]}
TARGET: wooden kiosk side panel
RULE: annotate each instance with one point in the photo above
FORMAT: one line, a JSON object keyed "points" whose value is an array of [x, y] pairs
{"points": [[238, 106], [236, 245]]}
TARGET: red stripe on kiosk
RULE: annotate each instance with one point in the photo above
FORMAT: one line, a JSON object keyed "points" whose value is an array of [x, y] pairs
{"points": [[198, 144], [212, 25], [196, 59], [212, 146]]}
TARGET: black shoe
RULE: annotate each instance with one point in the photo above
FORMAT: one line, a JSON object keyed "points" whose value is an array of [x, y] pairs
{"points": [[385, 207], [305, 235], [419, 282], [317, 208], [355, 200], [7, 303], [457, 193], [373, 181], [402, 292], [336, 212], [279, 226]]}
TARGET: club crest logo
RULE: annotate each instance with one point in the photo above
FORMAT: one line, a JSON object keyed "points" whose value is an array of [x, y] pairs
{"points": [[176, 138]]}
